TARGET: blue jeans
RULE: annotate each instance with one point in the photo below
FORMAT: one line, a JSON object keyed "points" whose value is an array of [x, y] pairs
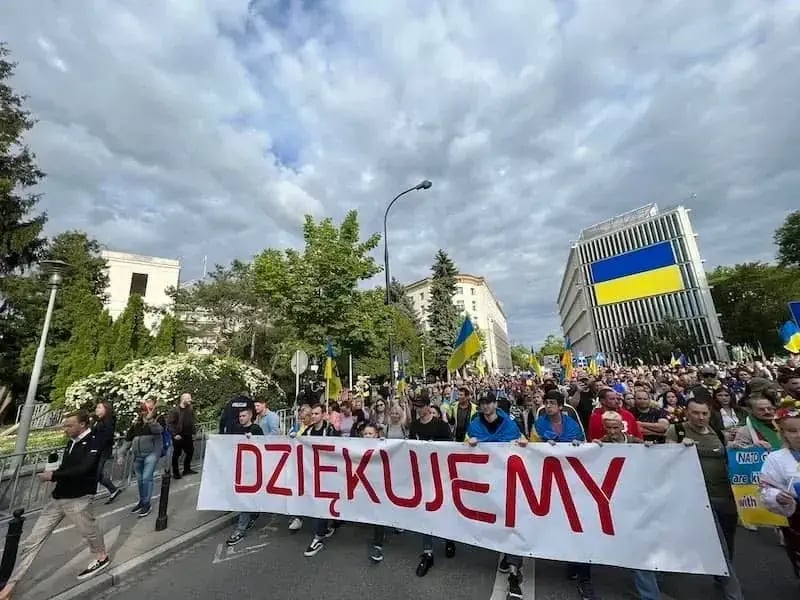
{"points": [[646, 585], [145, 467], [244, 520]]}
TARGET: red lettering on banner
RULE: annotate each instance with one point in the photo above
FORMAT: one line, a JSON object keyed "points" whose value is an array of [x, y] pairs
{"points": [[459, 486], [551, 471], [243, 488], [285, 450], [301, 481], [319, 469], [438, 499], [602, 495], [354, 477], [416, 497]]}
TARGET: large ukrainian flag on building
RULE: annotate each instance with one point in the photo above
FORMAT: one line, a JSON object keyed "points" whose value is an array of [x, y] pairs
{"points": [[648, 271]]}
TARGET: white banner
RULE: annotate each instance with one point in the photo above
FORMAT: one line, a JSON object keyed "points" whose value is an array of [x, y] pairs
{"points": [[625, 505]]}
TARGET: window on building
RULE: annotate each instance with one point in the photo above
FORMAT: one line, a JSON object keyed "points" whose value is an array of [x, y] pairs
{"points": [[422, 296], [460, 304], [474, 306], [138, 284], [459, 290], [472, 291]]}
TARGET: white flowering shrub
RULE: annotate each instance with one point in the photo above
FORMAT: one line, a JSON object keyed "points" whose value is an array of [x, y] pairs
{"points": [[211, 380]]}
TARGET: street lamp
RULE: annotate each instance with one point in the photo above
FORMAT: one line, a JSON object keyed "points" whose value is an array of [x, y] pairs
{"points": [[55, 269], [423, 185]]}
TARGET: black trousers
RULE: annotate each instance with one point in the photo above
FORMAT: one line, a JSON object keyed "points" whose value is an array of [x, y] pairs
{"points": [[184, 445]]}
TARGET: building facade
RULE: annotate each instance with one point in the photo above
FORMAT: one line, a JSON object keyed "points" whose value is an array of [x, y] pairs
{"points": [[637, 269], [474, 297], [147, 276]]}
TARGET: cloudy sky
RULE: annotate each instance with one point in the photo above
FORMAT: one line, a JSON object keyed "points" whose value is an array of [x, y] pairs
{"points": [[210, 127]]}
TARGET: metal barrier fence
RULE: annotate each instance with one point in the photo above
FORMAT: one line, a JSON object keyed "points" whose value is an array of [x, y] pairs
{"points": [[21, 488]]}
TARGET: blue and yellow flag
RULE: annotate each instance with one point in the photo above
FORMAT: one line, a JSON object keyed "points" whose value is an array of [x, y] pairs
{"points": [[533, 362], [467, 345], [592, 368], [790, 336], [566, 363], [332, 381], [648, 271], [401, 382], [678, 360]]}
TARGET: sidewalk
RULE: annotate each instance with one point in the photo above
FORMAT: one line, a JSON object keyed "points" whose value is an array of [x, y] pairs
{"points": [[131, 542]]}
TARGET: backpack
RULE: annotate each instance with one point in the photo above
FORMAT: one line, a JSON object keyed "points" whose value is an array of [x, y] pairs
{"points": [[166, 437]]}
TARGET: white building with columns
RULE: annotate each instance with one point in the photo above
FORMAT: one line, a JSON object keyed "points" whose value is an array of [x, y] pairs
{"points": [[147, 276], [474, 297]]}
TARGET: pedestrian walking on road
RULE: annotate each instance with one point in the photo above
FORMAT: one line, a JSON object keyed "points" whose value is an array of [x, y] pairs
{"points": [[76, 484], [144, 440], [245, 520], [103, 429], [182, 426]]}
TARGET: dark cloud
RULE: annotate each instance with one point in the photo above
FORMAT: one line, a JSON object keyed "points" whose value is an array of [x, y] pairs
{"points": [[212, 128]]}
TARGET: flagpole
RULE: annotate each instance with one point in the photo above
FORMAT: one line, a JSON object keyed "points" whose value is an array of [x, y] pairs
{"points": [[350, 375], [424, 372]]}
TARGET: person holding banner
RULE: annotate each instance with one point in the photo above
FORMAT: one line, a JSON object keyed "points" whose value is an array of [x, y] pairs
{"points": [[780, 480], [245, 520], [493, 425]]}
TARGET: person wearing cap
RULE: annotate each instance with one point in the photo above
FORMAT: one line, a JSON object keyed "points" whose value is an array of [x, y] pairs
{"points": [[229, 419], [554, 425], [494, 425], [428, 428], [780, 479]]}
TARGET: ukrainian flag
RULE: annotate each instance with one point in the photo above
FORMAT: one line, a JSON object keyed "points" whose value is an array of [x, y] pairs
{"points": [[790, 336], [535, 366], [467, 345], [332, 381], [401, 383], [648, 271]]}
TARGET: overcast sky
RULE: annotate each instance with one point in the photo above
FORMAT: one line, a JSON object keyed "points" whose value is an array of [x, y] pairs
{"points": [[190, 128]]}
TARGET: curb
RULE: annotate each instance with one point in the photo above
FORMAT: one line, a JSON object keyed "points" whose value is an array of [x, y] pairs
{"points": [[117, 574]]}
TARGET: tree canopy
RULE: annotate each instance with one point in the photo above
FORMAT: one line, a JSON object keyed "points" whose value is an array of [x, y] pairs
{"points": [[787, 238], [21, 243], [443, 316]]}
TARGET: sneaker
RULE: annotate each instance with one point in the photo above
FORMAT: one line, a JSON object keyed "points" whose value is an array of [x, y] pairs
{"points": [[586, 590], [236, 537], [514, 588], [329, 532], [377, 554], [296, 524], [176, 475], [114, 495], [449, 549], [94, 567], [137, 508], [146, 510], [314, 547], [425, 564], [504, 567]]}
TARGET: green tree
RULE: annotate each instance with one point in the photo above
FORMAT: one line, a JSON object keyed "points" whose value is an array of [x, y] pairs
{"points": [[26, 297], [315, 292], [131, 336], [81, 353], [751, 300], [21, 243], [170, 338], [443, 316], [520, 356], [553, 344], [657, 347], [402, 301], [787, 238]]}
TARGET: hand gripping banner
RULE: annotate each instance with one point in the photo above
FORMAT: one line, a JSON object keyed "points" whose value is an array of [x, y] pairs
{"points": [[625, 505]]}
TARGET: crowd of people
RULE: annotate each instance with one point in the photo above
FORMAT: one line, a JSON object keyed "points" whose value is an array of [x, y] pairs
{"points": [[711, 407]]}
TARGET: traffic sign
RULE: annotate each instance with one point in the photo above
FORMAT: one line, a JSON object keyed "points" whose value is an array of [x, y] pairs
{"points": [[299, 362]]}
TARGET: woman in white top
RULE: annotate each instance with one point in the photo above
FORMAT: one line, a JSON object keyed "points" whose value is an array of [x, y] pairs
{"points": [[780, 480], [397, 427]]}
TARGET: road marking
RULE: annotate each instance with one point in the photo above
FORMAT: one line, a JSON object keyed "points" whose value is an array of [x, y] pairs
{"points": [[500, 589], [225, 553], [127, 507]]}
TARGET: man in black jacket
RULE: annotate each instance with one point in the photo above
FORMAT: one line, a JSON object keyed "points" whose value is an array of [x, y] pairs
{"points": [[76, 483]]}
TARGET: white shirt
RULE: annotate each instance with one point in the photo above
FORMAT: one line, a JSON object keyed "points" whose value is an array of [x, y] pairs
{"points": [[779, 473]]}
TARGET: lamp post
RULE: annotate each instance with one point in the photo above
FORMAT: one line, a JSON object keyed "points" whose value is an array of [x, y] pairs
{"points": [[55, 269], [423, 185]]}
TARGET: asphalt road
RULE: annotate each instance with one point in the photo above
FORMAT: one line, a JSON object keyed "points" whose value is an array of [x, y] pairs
{"points": [[270, 563]]}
